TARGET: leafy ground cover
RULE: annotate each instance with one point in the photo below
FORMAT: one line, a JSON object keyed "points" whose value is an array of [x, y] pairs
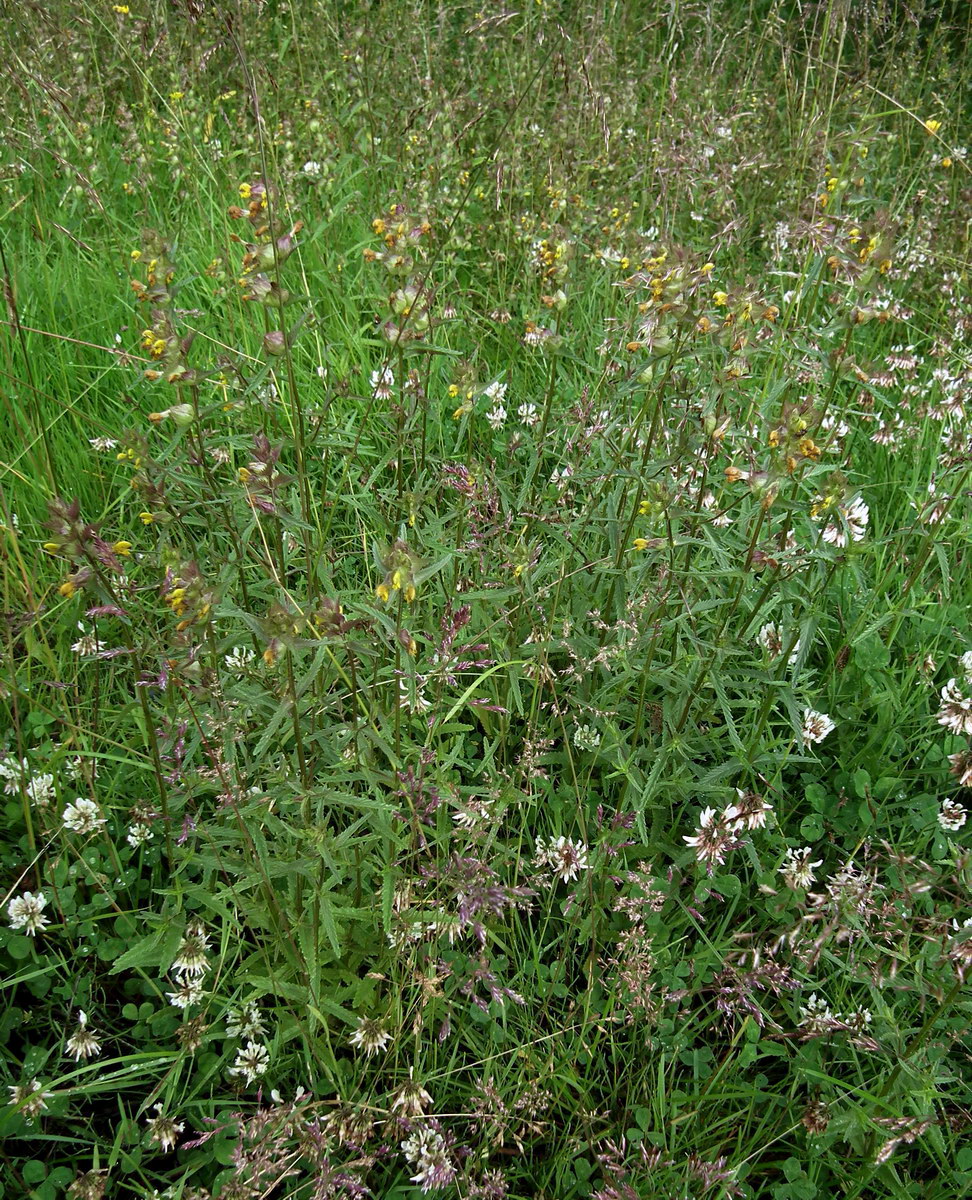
{"points": [[487, 675]]}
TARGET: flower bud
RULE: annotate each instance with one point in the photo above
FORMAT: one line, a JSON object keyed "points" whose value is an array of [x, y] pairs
{"points": [[182, 414]]}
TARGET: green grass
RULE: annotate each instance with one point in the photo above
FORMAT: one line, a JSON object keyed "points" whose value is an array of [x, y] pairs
{"points": [[443, 772]]}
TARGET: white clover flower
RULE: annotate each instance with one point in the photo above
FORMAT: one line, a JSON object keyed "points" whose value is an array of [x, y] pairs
{"points": [[564, 857], [26, 912], [87, 644], [797, 869], [247, 1023], [382, 382], [747, 813], [425, 1148], [816, 726], [961, 767], [163, 1130], [29, 1098], [189, 991], [712, 839], [952, 816], [528, 414], [955, 712], [40, 790], [138, 834], [239, 658], [855, 514], [312, 169], [370, 1036], [496, 417], [82, 1043], [251, 1062], [495, 392], [422, 1140], [774, 642], [190, 958], [858, 1020], [410, 1099], [83, 816], [12, 768]]}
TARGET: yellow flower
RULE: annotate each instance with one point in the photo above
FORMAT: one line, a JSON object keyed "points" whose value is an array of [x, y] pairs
{"points": [[146, 518], [245, 191], [67, 589], [382, 592], [640, 543], [121, 9], [51, 547], [933, 126], [719, 299], [946, 161]]}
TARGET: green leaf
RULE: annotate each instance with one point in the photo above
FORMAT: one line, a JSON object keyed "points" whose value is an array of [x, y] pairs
{"points": [[34, 1171], [148, 952]]}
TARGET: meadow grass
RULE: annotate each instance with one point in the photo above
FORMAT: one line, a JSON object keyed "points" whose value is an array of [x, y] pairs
{"points": [[487, 675]]}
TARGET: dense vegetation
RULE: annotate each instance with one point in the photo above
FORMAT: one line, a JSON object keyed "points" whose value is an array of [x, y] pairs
{"points": [[487, 667]]}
